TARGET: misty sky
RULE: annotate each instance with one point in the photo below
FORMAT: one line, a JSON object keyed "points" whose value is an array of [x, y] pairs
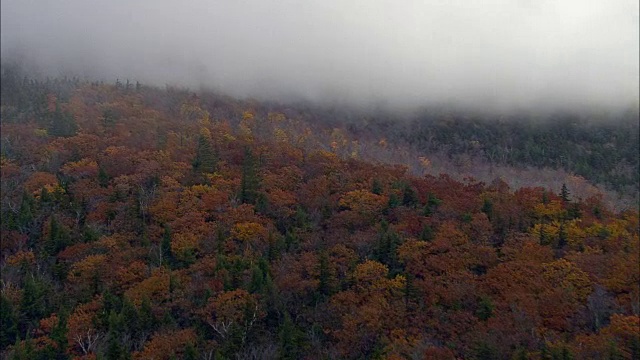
{"points": [[495, 54]]}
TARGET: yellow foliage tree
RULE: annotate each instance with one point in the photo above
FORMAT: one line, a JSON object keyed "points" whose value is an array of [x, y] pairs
{"points": [[567, 275]]}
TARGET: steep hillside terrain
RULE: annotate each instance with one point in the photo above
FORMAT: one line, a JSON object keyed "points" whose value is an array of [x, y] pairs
{"points": [[145, 223]]}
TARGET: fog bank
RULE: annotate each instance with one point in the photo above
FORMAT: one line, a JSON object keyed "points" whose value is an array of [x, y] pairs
{"points": [[500, 55]]}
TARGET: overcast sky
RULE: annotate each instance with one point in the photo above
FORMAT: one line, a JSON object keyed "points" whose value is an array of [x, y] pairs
{"points": [[494, 54]]}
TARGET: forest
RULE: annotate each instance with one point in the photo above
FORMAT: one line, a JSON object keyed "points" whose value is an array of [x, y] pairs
{"points": [[157, 223]]}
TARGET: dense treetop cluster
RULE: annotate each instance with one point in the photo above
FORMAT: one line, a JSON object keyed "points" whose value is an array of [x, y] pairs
{"points": [[140, 223]]}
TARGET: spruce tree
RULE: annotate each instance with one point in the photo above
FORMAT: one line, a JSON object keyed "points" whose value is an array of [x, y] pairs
{"points": [[290, 339], [59, 335], [376, 187], [165, 246], [564, 193], [115, 348], [250, 182], [427, 233], [206, 159], [409, 197], [32, 305], [103, 178], [62, 123], [9, 321], [25, 214]]}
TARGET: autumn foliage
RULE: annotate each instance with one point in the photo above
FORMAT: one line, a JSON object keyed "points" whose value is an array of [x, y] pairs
{"points": [[162, 225]]}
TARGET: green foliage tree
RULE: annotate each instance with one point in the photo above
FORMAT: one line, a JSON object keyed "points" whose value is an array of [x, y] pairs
{"points": [[386, 250], [427, 233], [9, 321], [564, 193], [103, 177], [432, 204], [165, 246], [190, 352], [250, 182], [206, 159], [25, 214], [59, 335], [485, 308], [62, 123], [33, 303], [59, 237], [409, 196], [376, 187], [290, 339], [115, 345], [487, 208]]}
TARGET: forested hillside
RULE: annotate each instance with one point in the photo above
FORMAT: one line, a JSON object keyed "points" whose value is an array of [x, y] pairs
{"points": [[146, 223], [603, 149]]}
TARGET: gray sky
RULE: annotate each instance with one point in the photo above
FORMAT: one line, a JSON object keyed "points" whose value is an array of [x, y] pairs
{"points": [[501, 54]]}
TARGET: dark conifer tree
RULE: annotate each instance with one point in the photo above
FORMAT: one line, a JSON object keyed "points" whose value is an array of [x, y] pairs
{"points": [[62, 123], [564, 193], [250, 182], [206, 159]]}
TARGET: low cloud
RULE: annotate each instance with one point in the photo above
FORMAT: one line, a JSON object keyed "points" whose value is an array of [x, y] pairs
{"points": [[500, 54]]}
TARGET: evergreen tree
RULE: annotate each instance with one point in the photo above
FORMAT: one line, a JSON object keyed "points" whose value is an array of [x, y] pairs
{"points": [[190, 352], [146, 316], [206, 159], [290, 240], [45, 196], [62, 123], [561, 353], [8, 322], [427, 233], [257, 280], [573, 212], [32, 305], [58, 237], [485, 351], [130, 314], [485, 309], [23, 350], [250, 182], [409, 197], [635, 347], [115, 348], [103, 178], [110, 303], [25, 214], [59, 335], [487, 208], [165, 246], [109, 118], [376, 187], [393, 202], [562, 236], [545, 197], [386, 249], [275, 247], [432, 204], [564, 193], [290, 339], [543, 236]]}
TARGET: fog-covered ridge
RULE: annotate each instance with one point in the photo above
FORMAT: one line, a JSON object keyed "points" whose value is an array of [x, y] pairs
{"points": [[485, 55]]}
